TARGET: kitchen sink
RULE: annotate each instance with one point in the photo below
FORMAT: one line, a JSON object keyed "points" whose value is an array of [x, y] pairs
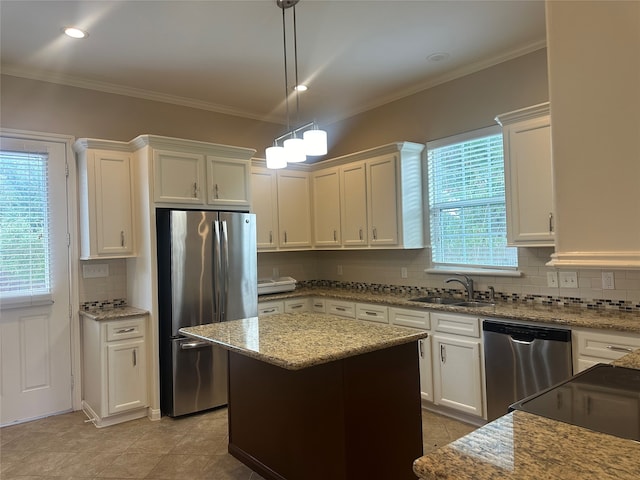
{"points": [[458, 302], [439, 300]]}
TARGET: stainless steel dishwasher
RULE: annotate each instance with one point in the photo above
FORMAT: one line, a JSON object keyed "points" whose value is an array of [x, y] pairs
{"points": [[521, 360]]}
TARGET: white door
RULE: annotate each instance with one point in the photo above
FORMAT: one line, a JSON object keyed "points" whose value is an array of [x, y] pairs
{"points": [[35, 327]]}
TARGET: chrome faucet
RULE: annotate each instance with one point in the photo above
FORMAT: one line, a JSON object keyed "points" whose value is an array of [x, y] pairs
{"points": [[467, 284]]}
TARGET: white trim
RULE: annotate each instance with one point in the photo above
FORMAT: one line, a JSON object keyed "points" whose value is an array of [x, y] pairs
{"points": [[465, 136], [487, 272]]}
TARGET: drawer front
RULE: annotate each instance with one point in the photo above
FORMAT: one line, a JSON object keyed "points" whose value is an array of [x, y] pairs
{"points": [[296, 306], [409, 318], [342, 309], [372, 313], [605, 346], [270, 308], [127, 328], [318, 305], [456, 324]]}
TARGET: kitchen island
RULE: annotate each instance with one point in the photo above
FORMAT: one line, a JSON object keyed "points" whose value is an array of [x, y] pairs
{"points": [[314, 396]]}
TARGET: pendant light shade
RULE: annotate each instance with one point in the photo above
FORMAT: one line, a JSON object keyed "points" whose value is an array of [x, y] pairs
{"points": [[315, 142], [276, 157], [295, 150]]}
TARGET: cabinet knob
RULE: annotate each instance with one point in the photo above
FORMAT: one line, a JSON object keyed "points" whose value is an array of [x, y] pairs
{"points": [[443, 354], [135, 358], [421, 345], [360, 233], [122, 238], [551, 222], [285, 236], [215, 191], [195, 190], [270, 237], [335, 236], [375, 233]]}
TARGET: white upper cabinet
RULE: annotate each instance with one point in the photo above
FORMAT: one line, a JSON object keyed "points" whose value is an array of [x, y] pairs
{"points": [[294, 209], [107, 228], [228, 182], [326, 207], [369, 199], [264, 189], [382, 198], [353, 203], [179, 177], [188, 172], [528, 176]]}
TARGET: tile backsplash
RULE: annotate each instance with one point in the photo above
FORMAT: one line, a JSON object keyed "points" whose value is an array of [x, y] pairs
{"points": [[404, 269]]}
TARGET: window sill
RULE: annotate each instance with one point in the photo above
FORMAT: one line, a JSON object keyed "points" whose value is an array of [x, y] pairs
{"points": [[489, 272]]}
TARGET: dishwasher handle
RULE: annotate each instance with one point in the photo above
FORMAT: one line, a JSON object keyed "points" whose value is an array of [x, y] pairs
{"points": [[527, 333]]}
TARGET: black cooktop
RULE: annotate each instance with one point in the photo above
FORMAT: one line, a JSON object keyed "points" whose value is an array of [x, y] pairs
{"points": [[603, 398]]}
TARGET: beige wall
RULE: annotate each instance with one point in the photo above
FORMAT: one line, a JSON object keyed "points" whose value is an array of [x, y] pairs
{"points": [[464, 104], [48, 107]]}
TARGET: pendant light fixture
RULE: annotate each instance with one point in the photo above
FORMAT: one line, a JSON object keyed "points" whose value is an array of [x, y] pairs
{"points": [[297, 143]]}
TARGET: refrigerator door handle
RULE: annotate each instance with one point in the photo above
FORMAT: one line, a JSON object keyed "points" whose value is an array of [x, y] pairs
{"points": [[192, 345], [225, 274], [217, 307]]}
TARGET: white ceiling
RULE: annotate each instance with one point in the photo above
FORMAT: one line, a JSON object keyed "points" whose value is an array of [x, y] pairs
{"points": [[227, 56]]}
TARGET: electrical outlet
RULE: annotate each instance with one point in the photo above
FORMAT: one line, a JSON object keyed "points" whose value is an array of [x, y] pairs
{"points": [[552, 279], [95, 270], [608, 282], [403, 272], [568, 280], [276, 272], [339, 269]]}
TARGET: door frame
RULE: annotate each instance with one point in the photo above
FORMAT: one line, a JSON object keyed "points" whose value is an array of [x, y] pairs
{"points": [[73, 266]]}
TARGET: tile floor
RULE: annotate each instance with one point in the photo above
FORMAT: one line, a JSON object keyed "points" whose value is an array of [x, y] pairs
{"points": [[195, 447]]}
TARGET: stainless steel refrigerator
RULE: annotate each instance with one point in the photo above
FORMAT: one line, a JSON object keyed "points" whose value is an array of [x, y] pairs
{"points": [[207, 272]]}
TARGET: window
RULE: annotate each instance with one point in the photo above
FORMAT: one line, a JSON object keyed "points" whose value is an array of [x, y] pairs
{"points": [[467, 201], [24, 228]]}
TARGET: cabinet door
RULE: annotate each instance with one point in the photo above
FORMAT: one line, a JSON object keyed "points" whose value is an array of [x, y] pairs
{"points": [[179, 177], [264, 193], [294, 209], [529, 184], [382, 196], [296, 305], [126, 374], [227, 182], [457, 374], [354, 205], [326, 207], [114, 208]]}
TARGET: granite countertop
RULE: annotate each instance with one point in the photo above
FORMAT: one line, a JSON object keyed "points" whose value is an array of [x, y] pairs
{"points": [[522, 446], [114, 313], [608, 319], [301, 340]]}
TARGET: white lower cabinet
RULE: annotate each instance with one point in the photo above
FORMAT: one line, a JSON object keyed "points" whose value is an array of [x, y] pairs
{"points": [[420, 320], [593, 346], [457, 363], [114, 370]]}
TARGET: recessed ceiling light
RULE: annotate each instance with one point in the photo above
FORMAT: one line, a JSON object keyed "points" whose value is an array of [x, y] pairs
{"points": [[438, 57], [300, 88], [74, 32]]}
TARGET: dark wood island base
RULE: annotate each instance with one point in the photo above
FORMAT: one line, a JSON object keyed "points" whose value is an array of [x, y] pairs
{"points": [[350, 419]]}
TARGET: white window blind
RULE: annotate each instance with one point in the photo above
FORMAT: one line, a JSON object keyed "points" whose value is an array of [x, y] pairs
{"points": [[467, 201], [24, 229]]}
